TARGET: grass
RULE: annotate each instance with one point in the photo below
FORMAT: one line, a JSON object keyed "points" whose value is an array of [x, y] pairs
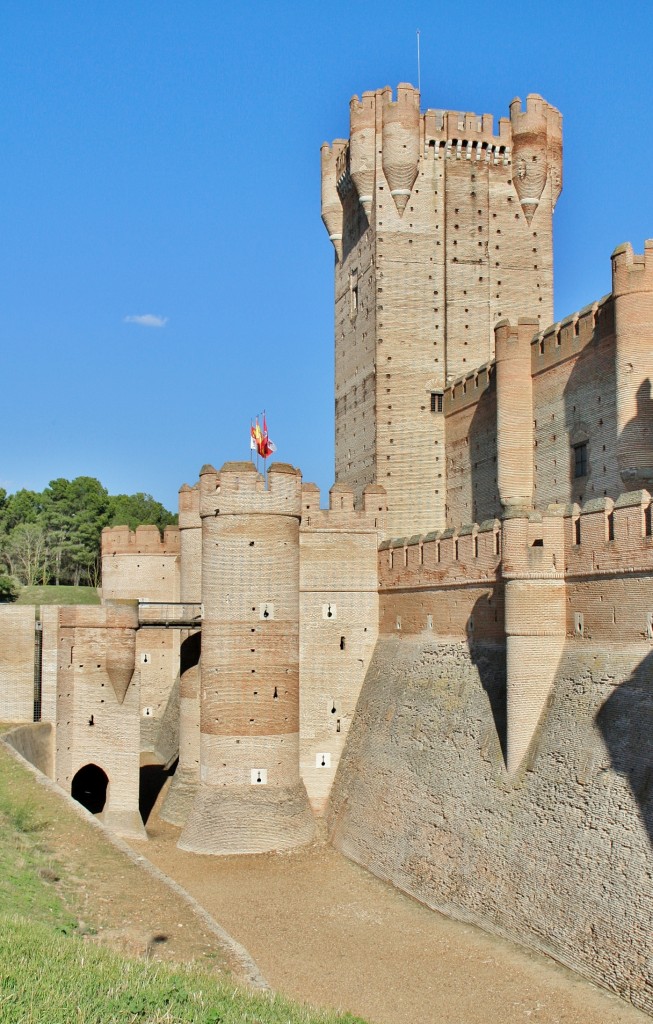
{"points": [[49, 974], [57, 595], [48, 978]]}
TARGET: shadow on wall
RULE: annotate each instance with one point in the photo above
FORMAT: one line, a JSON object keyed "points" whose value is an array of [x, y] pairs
{"points": [[488, 655], [589, 442], [482, 456], [89, 788], [635, 446], [153, 778], [189, 654], [626, 724]]}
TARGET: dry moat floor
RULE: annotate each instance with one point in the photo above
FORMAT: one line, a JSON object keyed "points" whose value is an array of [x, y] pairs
{"points": [[323, 930]]}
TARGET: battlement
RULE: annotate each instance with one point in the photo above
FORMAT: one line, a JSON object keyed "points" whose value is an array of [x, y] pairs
{"points": [[452, 130], [604, 537], [144, 540], [341, 514], [453, 557], [632, 272], [239, 489], [538, 115], [467, 390], [568, 337]]}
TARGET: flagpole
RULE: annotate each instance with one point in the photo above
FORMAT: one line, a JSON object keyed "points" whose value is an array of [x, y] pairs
{"points": [[419, 75]]}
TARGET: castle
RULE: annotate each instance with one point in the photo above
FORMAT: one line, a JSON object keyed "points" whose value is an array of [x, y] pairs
{"points": [[452, 663]]}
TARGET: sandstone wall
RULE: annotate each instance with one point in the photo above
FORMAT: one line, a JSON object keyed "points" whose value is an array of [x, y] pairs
{"points": [[16, 663], [559, 856]]}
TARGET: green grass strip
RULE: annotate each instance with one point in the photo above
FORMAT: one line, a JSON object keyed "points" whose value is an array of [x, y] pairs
{"points": [[48, 978], [58, 595]]}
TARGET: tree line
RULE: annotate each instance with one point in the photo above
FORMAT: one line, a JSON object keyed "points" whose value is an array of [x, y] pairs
{"points": [[54, 536]]}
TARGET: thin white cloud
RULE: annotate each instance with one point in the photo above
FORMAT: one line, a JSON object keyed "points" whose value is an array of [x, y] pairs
{"points": [[147, 320]]}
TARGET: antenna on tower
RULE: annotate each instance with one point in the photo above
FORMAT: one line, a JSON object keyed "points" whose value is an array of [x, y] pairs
{"points": [[419, 83]]}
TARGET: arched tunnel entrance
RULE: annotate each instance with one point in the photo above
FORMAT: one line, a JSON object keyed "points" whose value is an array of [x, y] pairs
{"points": [[89, 788]]}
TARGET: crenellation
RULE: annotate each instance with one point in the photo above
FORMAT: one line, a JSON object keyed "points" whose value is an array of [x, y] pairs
{"points": [[143, 540], [566, 339]]}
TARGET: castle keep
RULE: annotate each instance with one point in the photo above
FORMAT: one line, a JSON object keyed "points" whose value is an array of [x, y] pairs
{"points": [[441, 228], [452, 663]]}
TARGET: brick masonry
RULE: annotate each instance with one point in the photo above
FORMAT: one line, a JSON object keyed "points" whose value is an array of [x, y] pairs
{"points": [[16, 663]]}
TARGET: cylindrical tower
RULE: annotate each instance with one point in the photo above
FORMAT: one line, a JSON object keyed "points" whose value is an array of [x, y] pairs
{"points": [[362, 145], [401, 123], [251, 798], [514, 413], [332, 214], [536, 151]]}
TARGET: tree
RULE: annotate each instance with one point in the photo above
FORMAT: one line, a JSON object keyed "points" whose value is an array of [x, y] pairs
{"points": [[74, 513], [55, 536], [25, 551], [9, 588], [139, 509]]}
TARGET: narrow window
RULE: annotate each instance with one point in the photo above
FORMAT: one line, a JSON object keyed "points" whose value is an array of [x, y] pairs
{"points": [[580, 460], [610, 525], [577, 530], [436, 401]]}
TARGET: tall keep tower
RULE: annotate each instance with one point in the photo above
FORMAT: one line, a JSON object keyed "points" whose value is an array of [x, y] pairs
{"points": [[441, 229]]}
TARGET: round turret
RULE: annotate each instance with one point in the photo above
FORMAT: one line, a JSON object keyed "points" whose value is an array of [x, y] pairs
{"points": [[401, 142], [536, 151], [251, 798], [362, 121], [331, 205]]}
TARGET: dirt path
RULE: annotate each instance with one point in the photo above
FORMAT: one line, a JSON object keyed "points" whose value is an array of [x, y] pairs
{"points": [[116, 901], [325, 931]]}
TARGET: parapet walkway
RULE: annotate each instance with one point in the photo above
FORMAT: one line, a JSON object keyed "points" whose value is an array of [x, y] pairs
{"points": [[324, 931]]}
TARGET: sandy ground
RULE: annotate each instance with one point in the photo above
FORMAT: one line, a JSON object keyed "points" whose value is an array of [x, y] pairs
{"points": [[323, 930]]}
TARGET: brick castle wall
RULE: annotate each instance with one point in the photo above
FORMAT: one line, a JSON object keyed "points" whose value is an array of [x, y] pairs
{"points": [[140, 563], [16, 663]]}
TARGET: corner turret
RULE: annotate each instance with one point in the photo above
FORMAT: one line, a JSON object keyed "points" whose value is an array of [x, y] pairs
{"points": [[401, 125], [536, 151]]}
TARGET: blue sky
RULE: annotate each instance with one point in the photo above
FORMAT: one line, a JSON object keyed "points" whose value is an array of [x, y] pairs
{"points": [[162, 159]]}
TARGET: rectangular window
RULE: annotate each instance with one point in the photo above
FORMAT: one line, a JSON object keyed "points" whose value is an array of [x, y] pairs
{"points": [[580, 460], [436, 401]]}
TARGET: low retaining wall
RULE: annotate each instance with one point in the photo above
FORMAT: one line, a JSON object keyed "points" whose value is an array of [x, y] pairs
{"points": [[34, 742]]}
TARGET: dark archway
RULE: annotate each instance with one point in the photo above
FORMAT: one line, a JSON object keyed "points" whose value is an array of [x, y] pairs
{"points": [[153, 778], [189, 654], [89, 788]]}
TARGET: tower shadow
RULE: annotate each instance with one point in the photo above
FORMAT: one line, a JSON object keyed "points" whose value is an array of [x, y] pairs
{"points": [[487, 650], [626, 724]]}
